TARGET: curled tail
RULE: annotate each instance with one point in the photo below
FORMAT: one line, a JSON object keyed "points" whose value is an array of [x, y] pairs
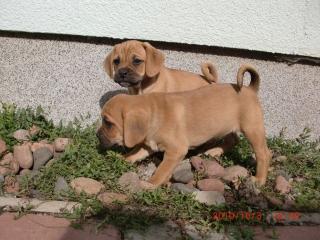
{"points": [[255, 78], [209, 72]]}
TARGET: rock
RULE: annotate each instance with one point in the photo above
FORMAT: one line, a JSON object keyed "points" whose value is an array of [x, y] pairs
{"points": [[209, 197], [60, 144], [11, 185], [23, 155], [213, 169], [281, 158], [25, 172], [8, 165], [3, 147], [41, 156], [183, 188], [211, 185], [234, 172], [60, 186], [145, 172], [109, 198], [1, 180], [282, 185], [183, 173], [34, 130], [35, 146], [50, 162], [198, 164], [86, 185], [274, 201], [21, 135], [130, 181]]}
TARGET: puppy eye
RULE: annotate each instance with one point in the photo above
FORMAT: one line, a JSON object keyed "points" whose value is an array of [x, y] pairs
{"points": [[137, 61], [116, 61], [107, 123]]}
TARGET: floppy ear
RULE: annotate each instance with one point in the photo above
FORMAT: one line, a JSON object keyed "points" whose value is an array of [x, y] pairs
{"points": [[107, 64], [154, 61], [135, 127]]}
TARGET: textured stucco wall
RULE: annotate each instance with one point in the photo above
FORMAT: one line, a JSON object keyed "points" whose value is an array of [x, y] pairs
{"points": [[281, 26], [68, 80]]}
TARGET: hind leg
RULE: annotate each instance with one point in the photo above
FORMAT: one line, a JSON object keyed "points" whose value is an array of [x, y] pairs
{"points": [[256, 136], [228, 142]]}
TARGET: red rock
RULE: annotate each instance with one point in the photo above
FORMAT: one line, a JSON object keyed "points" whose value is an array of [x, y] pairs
{"points": [[211, 185], [11, 185], [86, 185], [34, 130], [21, 135], [198, 164], [234, 172], [282, 185], [35, 146], [108, 198], [214, 169], [60, 144], [8, 165], [23, 155], [3, 147]]}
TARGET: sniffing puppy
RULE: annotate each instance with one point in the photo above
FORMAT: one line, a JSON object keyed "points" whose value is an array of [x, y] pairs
{"points": [[176, 122], [140, 67]]}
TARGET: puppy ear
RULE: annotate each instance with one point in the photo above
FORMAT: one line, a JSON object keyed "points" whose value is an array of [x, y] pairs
{"points": [[107, 64], [154, 61], [135, 127]]}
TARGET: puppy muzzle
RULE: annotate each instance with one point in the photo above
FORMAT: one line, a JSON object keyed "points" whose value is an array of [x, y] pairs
{"points": [[105, 143], [127, 78]]}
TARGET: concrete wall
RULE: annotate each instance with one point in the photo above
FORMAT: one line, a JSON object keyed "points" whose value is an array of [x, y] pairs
{"points": [[281, 26], [67, 79]]}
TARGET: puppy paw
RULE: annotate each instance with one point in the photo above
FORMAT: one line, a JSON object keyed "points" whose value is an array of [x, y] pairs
{"points": [[214, 152], [147, 185], [257, 181]]}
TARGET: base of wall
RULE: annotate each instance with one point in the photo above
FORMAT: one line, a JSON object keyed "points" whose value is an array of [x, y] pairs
{"points": [[67, 79]]}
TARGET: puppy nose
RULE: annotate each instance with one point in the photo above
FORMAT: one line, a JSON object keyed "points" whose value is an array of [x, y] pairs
{"points": [[123, 72]]}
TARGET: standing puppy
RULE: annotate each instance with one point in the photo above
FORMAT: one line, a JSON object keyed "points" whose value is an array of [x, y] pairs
{"points": [[140, 67], [176, 122]]}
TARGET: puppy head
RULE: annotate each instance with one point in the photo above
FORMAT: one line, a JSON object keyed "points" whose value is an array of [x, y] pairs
{"points": [[123, 122], [130, 62]]}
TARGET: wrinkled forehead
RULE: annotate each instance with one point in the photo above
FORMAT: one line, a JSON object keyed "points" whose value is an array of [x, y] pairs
{"points": [[129, 49]]}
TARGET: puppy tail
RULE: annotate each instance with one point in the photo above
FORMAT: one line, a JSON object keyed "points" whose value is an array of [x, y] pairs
{"points": [[209, 72], [255, 78]]}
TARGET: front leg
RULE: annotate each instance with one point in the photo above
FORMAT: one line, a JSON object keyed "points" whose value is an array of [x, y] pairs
{"points": [[171, 159], [138, 153]]}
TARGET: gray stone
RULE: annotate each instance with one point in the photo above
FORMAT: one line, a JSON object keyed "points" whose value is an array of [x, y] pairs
{"points": [[164, 231], [183, 173], [209, 197], [60, 186], [130, 181], [145, 172], [194, 234], [183, 188], [1, 179], [41, 157], [21, 135]]}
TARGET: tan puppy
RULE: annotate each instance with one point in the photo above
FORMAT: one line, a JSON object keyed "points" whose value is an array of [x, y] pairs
{"points": [[140, 67], [176, 122]]}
